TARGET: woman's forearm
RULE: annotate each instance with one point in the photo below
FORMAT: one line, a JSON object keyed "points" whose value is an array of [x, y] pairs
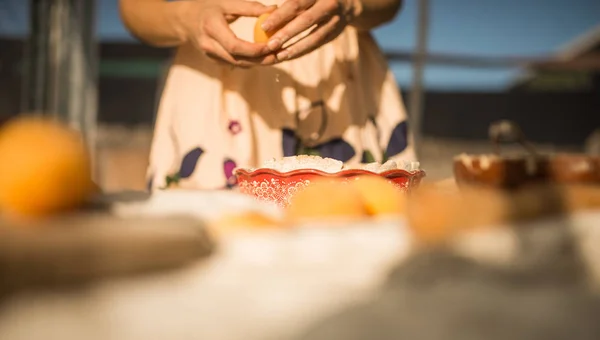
{"points": [[155, 22], [373, 13]]}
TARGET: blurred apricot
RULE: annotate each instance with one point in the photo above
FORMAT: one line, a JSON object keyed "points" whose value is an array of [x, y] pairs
{"points": [[251, 219], [431, 213], [243, 221], [324, 199], [436, 215], [44, 167], [380, 197]]}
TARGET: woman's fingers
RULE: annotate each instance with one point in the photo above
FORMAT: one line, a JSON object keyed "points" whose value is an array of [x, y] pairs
{"points": [[243, 8], [289, 10], [218, 29], [218, 53], [270, 59], [218, 41], [319, 36], [322, 11]]}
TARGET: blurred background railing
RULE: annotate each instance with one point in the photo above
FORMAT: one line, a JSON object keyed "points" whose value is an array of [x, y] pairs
{"points": [[461, 64]]}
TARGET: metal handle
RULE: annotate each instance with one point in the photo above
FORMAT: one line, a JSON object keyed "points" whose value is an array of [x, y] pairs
{"points": [[506, 131]]}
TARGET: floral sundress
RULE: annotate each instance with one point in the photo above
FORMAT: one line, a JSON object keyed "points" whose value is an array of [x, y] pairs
{"points": [[340, 101]]}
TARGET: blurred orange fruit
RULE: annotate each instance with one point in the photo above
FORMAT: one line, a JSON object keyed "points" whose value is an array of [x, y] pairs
{"points": [[244, 221], [250, 219], [44, 167], [380, 196], [432, 214], [260, 36], [326, 199], [436, 215]]}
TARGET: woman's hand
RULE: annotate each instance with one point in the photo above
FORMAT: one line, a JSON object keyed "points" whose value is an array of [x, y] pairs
{"points": [[329, 17], [206, 25]]}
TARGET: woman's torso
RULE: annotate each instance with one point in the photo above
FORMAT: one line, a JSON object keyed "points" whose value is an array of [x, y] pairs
{"points": [[339, 101]]}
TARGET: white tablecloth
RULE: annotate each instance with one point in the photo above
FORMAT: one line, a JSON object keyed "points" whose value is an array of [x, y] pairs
{"points": [[259, 285]]}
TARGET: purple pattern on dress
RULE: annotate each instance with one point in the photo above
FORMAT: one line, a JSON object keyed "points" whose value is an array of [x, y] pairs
{"points": [[228, 167], [235, 127], [337, 149], [289, 142], [189, 162], [398, 140]]}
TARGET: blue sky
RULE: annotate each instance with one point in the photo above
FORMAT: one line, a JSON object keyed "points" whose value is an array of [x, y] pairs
{"points": [[490, 28], [479, 27]]}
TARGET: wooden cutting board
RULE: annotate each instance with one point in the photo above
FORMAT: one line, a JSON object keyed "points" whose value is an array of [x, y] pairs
{"points": [[95, 245]]}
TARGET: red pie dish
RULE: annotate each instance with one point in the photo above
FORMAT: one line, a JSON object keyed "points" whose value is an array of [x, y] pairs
{"points": [[277, 187]]}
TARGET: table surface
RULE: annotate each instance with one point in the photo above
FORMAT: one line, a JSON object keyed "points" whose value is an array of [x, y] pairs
{"points": [[270, 284]]}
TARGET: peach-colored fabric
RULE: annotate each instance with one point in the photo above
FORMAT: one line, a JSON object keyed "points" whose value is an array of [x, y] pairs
{"points": [[212, 118]]}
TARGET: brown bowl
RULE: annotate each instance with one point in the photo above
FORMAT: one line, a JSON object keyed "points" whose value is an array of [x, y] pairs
{"points": [[497, 171], [514, 172], [570, 168]]}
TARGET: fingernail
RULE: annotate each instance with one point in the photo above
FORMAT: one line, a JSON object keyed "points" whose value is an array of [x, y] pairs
{"points": [[265, 26], [273, 44], [283, 55]]}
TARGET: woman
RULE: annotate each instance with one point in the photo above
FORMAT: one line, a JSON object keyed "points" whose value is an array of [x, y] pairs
{"points": [[319, 86]]}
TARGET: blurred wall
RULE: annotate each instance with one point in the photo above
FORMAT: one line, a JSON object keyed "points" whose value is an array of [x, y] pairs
{"points": [[11, 52], [128, 88], [128, 97], [555, 118]]}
